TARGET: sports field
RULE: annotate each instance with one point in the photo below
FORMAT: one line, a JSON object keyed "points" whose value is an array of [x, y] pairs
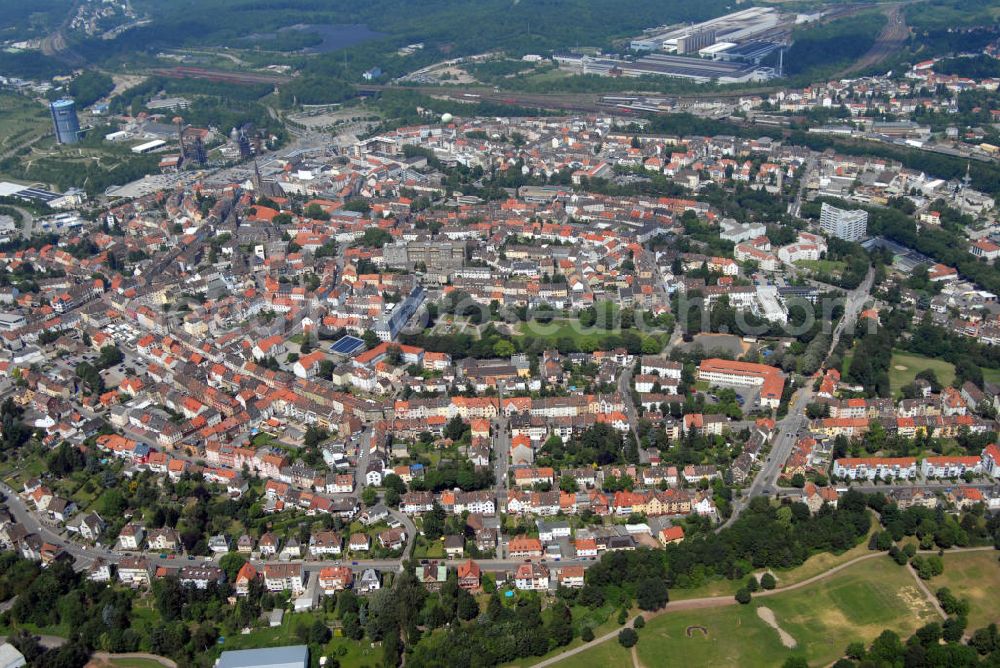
{"points": [[974, 576], [817, 622], [904, 367]]}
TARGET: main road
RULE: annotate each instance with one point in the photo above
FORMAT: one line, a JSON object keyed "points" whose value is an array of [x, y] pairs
{"points": [[795, 421], [85, 555]]}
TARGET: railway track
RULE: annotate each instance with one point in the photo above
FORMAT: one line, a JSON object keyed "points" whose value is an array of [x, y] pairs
{"points": [[892, 38]]}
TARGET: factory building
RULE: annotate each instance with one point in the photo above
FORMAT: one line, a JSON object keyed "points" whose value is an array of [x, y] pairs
{"points": [[695, 41]]}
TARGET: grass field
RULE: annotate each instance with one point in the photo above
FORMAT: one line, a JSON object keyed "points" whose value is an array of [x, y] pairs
{"points": [[20, 120], [131, 663], [846, 364], [857, 603], [831, 267], [813, 566], [584, 338], [991, 375], [904, 367], [605, 655], [976, 577]]}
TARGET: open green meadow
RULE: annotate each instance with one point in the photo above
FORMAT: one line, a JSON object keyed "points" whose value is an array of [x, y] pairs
{"points": [[604, 655], [856, 604], [830, 267], [819, 621], [813, 566], [21, 119], [130, 663], [571, 335], [904, 367], [974, 576], [991, 375]]}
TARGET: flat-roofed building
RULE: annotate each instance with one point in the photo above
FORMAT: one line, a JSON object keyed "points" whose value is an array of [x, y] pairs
{"points": [[290, 656], [843, 224]]}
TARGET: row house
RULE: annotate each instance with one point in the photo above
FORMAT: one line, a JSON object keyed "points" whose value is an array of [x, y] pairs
{"points": [[869, 468], [950, 467]]}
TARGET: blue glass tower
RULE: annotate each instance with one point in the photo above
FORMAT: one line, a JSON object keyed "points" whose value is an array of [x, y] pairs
{"points": [[64, 119]]}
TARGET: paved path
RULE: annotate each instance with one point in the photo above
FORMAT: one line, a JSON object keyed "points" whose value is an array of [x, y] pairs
{"points": [[931, 598], [720, 601]]}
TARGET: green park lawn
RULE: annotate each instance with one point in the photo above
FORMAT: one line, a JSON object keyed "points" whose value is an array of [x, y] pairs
{"points": [[857, 603], [974, 576], [20, 119], [584, 338], [846, 364], [814, 565], [563, 329], [904, 367], [132, 663], [605, 655], [831, 267], [991, 375]]}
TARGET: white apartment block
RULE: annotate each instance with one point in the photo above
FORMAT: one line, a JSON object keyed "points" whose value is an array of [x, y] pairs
{"points": [[950, 467], [843, 224], [868, 468]]}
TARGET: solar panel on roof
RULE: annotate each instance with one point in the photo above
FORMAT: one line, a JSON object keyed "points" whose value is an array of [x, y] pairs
{"points": [[347, 345], [37, 194]]}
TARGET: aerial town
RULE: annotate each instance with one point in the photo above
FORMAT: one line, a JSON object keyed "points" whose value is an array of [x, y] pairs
{"points": [[328, 397]]}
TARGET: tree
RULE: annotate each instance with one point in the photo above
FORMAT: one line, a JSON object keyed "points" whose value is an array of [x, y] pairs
{"points": [[856, 651], [795, 662], [953, 628], [628, 638], [984, 640], [743, 596], [369, 496], [650, 346], [110, 356], [314, 436], [395, 483], [652, 594], [466, 607], [560, 628], [455, 428], [767, 581], [434, 522], [568, 484], [231, 563], [587, 634], [65, 460], [319, 634], [639, 622], [503, 348], [394, 355]]}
